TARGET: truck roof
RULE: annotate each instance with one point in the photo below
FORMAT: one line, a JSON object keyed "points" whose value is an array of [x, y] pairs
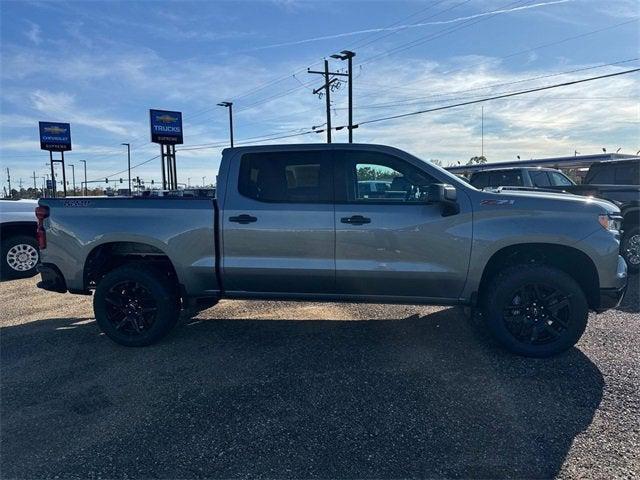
{"points": [[515, 168], [307, 146]]}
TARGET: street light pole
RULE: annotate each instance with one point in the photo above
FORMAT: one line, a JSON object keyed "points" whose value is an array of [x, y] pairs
{"points": [[85, 177], [129, 163], [73, 178], [348, 55], [229, 105], [203, 181]]}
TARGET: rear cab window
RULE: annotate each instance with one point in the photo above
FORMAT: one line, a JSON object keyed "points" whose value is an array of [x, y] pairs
{"points": [[286, 177]]}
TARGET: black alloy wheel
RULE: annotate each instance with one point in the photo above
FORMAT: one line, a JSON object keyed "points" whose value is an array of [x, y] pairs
{"points": [[537, 314], [535, 310], [137, 304], [131, 307]]}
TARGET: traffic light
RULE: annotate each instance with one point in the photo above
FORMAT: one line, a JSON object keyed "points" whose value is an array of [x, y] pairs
{"points": [[106, 180], [152, 182], [120, 180]]}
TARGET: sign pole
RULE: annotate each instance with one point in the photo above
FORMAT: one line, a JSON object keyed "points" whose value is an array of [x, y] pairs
{"points": [[164, 181], [53, 174], [175, 170], [64, 175], [166, 129]]}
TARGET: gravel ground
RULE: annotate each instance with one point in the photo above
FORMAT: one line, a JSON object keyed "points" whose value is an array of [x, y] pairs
{"points": [[302, 390]]}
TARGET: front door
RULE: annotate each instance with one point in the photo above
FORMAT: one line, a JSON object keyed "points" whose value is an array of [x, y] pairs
{"points": [[390, 241], [278, 225]]}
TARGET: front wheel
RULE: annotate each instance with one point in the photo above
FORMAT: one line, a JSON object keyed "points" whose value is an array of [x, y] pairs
{"points": [[535, 310], [631, 249], [136, 306]]}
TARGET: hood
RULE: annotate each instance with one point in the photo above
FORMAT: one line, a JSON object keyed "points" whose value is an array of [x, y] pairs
{"points": [[568, 199]]}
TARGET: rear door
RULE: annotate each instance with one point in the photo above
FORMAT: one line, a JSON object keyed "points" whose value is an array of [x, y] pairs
{"points": [[278, 223], [396, 244]]}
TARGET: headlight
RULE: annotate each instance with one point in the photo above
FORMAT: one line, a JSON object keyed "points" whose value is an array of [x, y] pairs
{"points": [[610, 222]]}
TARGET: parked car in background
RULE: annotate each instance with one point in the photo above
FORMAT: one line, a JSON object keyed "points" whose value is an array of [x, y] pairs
{"points": [[373, 188], [616, 180], [619, 182], [18, 237], [535, 177], [290, 222]]}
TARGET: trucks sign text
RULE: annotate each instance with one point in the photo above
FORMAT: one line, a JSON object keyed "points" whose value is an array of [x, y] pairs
{"points": [[166, 127]]}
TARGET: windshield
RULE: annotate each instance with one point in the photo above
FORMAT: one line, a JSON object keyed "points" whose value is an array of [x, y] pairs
{"points": [[451, 178]]}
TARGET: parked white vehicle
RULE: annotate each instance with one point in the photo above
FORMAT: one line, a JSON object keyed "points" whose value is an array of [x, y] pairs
{"points": [[18, 225]]}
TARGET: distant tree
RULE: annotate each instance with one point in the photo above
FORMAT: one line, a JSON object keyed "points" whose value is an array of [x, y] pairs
{"points": [[370, 173], [477, 160]]}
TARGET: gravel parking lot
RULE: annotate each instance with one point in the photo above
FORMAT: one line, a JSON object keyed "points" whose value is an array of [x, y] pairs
{"points": [[311, 390]]}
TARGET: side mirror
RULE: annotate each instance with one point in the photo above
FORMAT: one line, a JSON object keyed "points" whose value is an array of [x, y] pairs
{"points": [[445, 195]]}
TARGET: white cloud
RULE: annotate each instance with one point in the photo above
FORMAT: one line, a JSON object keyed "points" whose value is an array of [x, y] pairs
{"points": [[34, 32]]}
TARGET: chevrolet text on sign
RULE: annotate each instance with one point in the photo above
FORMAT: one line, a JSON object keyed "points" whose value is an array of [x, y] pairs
{"points": [[166, 127], [55, 137]]}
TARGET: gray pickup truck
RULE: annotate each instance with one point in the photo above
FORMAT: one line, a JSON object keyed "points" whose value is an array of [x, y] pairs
{"points": [[293, 222]]}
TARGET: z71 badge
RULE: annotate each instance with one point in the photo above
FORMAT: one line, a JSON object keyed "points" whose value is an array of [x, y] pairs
{"points": [[497, 202]]}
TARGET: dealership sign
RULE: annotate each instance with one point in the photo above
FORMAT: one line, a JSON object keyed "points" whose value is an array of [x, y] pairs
{"points": [[55, 137], [166, 127]]}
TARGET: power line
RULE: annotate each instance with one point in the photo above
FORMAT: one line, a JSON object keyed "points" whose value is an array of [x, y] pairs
{"points": [[509, 55], [502, 84], [506, 95]]}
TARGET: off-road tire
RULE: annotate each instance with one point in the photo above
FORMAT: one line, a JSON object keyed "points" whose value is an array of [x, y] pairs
{"points": [[156, 287], [498, 296], [627, 238]]}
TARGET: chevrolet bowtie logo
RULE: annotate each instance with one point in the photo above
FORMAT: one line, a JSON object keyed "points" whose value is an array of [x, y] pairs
{"points": [[55, 130], [166, 119]]}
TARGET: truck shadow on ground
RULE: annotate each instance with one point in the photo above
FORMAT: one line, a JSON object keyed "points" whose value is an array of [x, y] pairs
{"points": [[416, 397]]}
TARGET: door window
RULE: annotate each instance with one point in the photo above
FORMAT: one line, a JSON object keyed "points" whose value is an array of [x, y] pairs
{"points": [[600, 175], [539, 178], [375, 177], [286, 177], [506, 178], [480, 180], [627, 174], [558, 179]]}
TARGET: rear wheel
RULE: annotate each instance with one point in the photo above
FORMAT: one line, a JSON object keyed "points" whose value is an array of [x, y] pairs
{"points": [[535, 310], [19, 256], [631, 249], [136, 305]]}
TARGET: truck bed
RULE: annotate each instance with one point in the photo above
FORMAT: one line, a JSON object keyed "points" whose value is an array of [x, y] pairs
{"points": [[182, 229]]}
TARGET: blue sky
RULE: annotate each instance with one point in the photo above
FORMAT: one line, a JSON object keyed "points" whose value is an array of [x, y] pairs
{"points": [[102, 65]]}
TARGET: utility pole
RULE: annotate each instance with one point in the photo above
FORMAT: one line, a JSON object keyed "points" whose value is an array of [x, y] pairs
{"points": [[203, 181], [482, 132], [229, 105], [44, 187], [348, 56], [35, 187], [129, 163], [327, 91], [9, 182], [73, 178], [85, 177]]}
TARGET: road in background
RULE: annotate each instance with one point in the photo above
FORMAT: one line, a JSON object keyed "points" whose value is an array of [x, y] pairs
{"points": [[326, 390]]}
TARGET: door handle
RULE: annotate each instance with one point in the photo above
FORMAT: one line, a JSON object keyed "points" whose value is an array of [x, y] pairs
{"points": [[355, 220], [243, 219]]}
